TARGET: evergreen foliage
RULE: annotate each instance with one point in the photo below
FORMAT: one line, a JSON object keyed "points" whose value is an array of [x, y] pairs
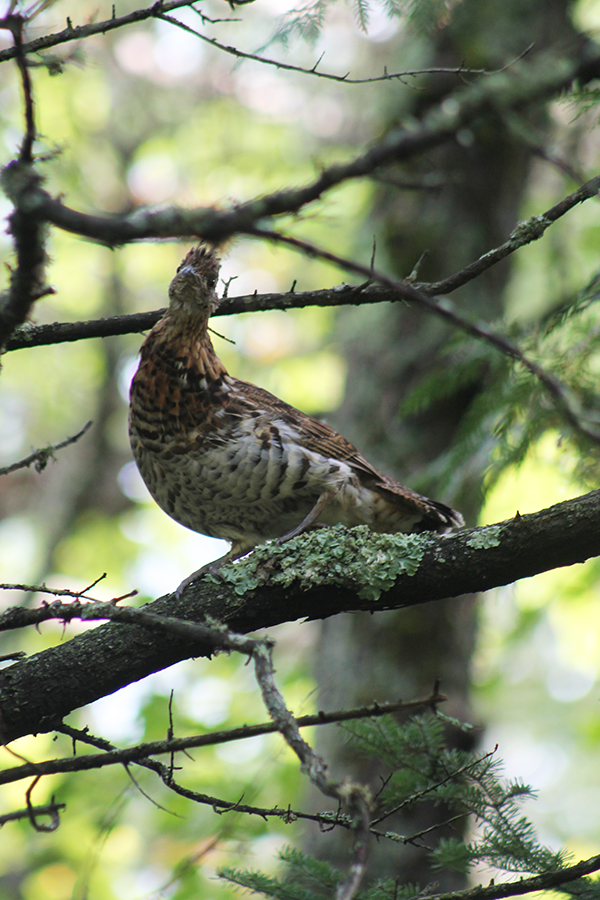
{"points": [[511, 410], [306, 22], [423, 768]]}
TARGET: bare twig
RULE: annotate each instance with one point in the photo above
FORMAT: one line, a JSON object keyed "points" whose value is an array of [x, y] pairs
{"points": [[343, 79], [419, 795], [80, 32], [39, 458], [32, 810], [443, 308], [56, 592]]}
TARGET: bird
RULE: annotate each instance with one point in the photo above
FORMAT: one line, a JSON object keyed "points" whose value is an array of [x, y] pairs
{"points": [[228, 459]]}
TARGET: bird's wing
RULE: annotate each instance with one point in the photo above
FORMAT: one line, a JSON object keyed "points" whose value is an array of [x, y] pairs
{"points": [[321, 438]]}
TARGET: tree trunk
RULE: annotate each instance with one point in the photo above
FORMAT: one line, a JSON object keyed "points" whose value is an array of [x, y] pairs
{"points": [[474, 192]]}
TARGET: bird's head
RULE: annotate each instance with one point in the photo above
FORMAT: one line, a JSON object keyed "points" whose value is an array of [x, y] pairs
{"points": [[193, 290]]}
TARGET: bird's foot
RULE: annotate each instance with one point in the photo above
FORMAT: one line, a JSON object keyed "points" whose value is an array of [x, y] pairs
{"points": [[213, 567], [210, 569]]}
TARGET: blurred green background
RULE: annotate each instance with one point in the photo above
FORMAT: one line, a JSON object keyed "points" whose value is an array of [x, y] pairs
{"points": [[150, 115]]}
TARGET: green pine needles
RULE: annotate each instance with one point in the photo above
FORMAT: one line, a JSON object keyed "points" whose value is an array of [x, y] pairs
{"points": [[479, 812]]}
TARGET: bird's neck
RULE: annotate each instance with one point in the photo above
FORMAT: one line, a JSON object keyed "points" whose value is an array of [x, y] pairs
{"points": [[185, 347]]}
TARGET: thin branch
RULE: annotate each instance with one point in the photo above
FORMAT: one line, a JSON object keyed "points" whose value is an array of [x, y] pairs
{"points": [[32, 810], [51, 809], [341, 79], [160, 10], [113, 756], [343, 295], [564, 398], [63, 332], [425, 792], [56, 592], [40, 457], [80, 32], [165, 773], [544, 882], [525, 232], [15, 23], [530, 230]]}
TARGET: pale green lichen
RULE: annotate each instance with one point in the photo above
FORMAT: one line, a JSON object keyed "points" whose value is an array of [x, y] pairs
{"points": [[355, 558], [488, 537]]}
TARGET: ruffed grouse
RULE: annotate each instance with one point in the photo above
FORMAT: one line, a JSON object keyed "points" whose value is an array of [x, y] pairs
{"points": [[229, 460]]}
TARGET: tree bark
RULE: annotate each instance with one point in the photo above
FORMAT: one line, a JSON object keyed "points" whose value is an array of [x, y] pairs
{"points": [[37, 693], [483, 178]]}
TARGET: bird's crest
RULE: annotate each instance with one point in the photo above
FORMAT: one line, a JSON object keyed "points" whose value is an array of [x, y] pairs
{"points": [[203, 259]]}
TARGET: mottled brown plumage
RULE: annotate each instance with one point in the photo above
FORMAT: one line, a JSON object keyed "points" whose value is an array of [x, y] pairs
{"points": [[230, 460]]}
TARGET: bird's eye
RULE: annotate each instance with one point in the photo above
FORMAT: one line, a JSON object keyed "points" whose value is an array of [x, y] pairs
{"points": [[211, 281]]}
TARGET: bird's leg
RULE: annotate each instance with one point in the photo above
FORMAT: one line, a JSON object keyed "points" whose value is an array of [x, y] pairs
{"points": [[323, 501], [237, 550], [241, 548]]}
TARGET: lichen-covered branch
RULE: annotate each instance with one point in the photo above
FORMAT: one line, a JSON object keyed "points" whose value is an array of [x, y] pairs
{"points": [[312, 576]]}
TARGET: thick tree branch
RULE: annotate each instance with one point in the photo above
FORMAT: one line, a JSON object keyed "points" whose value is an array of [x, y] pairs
{"points": [[524, 233], [525, 84], [37, 693]]}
